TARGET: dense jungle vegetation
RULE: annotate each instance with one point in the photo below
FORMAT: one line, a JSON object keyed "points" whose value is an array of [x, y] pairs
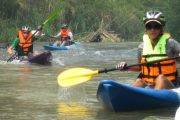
{"points": [[84, 16]]}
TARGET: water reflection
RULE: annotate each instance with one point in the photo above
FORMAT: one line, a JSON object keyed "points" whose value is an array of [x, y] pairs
{"points": [[25, 69], [76, 93], [73, 110], [72, 103]]}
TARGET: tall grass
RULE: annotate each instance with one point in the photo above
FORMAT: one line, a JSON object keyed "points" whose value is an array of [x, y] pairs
{"points": [[83, 16]]}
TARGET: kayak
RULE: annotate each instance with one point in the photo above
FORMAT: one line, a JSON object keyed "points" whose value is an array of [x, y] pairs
{"points": [[51, 47], [119, 97], [177, 115], [43, 58]]}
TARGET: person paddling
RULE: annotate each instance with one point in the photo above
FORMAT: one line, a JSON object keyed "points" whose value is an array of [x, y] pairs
{"points": [[65, 35], [156, 45], [23, 43]]}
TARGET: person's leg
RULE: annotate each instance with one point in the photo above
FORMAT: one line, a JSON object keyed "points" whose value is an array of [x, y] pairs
{"points": [[163, 83], [64, 43], [24, 57], [139, 83], [30, 54], [35, 53], [56, 43]]}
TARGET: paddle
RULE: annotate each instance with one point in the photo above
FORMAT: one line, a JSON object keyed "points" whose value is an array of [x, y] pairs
{"points": [[51, 17], [49, 36], [75, 76]]}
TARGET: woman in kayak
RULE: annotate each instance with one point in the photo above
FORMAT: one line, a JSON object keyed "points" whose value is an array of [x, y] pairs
{"points": [[23, 43], [65, 35], [156, 45]]}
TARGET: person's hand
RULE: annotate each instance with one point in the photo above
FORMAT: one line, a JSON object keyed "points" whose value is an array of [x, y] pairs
{"points": [[179, 56], [71, 40], [121, 66], [40, 27], [10, 50]]}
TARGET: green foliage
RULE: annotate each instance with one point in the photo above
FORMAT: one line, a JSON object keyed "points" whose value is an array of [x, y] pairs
{"points": [[122, 16]]}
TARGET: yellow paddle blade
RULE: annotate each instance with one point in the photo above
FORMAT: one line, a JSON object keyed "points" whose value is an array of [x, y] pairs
{"points": [[75, 76]]}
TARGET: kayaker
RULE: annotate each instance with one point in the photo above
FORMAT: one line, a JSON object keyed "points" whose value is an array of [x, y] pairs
{"points": [[156, 45], [23, 43], [65, 35]]}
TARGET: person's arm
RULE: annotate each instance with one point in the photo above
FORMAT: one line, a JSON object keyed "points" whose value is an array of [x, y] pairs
{"points": [[123, 65], [15, 43], [139, 56], [57, 36], [10, 49], [38, 31], [71, 36], [175, 48]]}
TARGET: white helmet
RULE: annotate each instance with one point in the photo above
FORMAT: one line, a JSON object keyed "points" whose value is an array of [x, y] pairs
{"points": [[64, 26], [155, 16], [26, 28]]}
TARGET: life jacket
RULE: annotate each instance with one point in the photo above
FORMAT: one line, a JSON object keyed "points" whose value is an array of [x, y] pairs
{"points": [[25, 44], [151, 71], [65, 34]]}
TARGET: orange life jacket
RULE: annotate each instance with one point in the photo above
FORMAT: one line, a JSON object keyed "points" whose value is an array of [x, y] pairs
{"points": [[64, 34], [25, 43], [151, 71]]}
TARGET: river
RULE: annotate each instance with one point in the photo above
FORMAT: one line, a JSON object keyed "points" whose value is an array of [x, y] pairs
{"points": [[31, 92]]}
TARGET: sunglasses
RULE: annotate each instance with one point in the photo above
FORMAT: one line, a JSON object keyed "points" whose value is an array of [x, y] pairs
{"points": [[25, 32], [153, 26]]}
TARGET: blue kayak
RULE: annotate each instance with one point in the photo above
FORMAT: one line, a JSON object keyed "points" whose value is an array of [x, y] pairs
{"points": [[50, 47], [118, 97]]}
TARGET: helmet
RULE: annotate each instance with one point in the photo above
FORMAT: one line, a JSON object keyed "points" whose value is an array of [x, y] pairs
{"points": [[26, 28], [64, 26], [155, 16]]}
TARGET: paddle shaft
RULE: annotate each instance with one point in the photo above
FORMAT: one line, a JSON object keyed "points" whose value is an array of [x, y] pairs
{"points": [[139, 64], [49, 36]]}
